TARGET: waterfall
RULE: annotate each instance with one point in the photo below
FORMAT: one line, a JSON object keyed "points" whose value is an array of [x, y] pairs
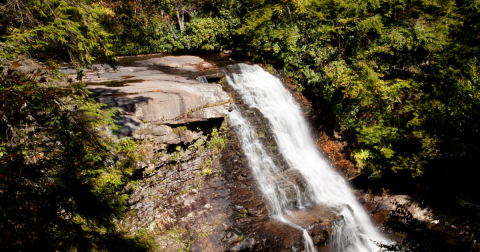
{"points": [[201, 79], [321, 184]]}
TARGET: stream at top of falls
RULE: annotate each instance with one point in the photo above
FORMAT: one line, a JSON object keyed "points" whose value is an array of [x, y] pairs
{"points": [[309, 179]]}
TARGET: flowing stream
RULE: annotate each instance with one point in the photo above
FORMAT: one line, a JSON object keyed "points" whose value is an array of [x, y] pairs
{"points": [[319, 183]]}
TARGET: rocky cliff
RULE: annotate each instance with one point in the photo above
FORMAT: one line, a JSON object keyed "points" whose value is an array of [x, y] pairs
{"points": [[194, 189]]}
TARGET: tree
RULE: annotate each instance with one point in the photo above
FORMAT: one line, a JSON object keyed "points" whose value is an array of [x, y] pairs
{"points": [[56, 31], [387, 70]]}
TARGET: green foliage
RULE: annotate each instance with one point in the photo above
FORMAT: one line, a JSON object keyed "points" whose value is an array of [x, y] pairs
{"points": [[391, 72], [244, 213], [206, 167], [141, 35], [207, 171], [127, 149], [57, 190], [205, 34], [176, 156], [55, 30], [216, 142], [179, 130], [167, 26]]}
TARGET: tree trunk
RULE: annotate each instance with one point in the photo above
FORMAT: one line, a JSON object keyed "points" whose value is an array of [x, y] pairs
{"points": [[181, 16], [168, 25], [171, 30]]}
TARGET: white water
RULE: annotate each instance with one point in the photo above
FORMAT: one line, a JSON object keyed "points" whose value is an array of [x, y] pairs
{"points": [[201, 79], [322, 185], [272, 183]]}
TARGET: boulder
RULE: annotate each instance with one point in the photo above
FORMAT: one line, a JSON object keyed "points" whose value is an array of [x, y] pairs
{"points": [[188, 137], [380, 207], [162, 130], [177, 61], [212, 112], [418, 211], [158, 101], [170, 138]]}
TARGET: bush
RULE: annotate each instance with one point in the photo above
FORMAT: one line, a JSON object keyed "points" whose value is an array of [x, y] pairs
{"points": [[57, 189], [56, 30]]}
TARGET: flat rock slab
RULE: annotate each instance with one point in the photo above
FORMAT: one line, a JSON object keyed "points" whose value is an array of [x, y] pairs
{"points": [[177, 61], [307, 217], [160, 100], [149, 92]]}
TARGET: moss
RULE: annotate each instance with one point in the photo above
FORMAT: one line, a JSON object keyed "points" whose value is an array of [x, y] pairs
{"points": [[207, 172]]}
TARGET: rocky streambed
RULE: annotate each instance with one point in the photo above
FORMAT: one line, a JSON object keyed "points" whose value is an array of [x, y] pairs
{"points": [[195, 191]]}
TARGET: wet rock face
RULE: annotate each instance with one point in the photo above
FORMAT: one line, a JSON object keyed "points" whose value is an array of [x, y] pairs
{"points": [[247, 226], [286, 174]]}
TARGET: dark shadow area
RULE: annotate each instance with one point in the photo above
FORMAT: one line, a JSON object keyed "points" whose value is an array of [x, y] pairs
{"points": [[125, 101], [127, 125], [116, 83]]}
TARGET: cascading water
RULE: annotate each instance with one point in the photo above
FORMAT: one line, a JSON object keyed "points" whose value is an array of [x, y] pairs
{"points": [[321, 184], [272, 183], [201, 79]]}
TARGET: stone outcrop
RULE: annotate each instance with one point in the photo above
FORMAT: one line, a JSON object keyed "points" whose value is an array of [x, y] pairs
{"points": [[184, 62], [166, 101], [180, 195], [195, 189], [177, 203], [145, 90], [380, 206]]}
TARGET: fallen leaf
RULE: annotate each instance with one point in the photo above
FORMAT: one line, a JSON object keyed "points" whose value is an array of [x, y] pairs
{"points": [[15, 65]]}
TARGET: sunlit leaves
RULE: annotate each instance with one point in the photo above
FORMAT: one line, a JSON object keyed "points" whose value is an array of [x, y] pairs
{"points": [[67, 30], [52, 164]]}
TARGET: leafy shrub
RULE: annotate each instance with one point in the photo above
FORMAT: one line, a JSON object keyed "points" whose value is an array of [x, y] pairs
{"points": [[206, 34], [57, 189], [56, 30]]}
